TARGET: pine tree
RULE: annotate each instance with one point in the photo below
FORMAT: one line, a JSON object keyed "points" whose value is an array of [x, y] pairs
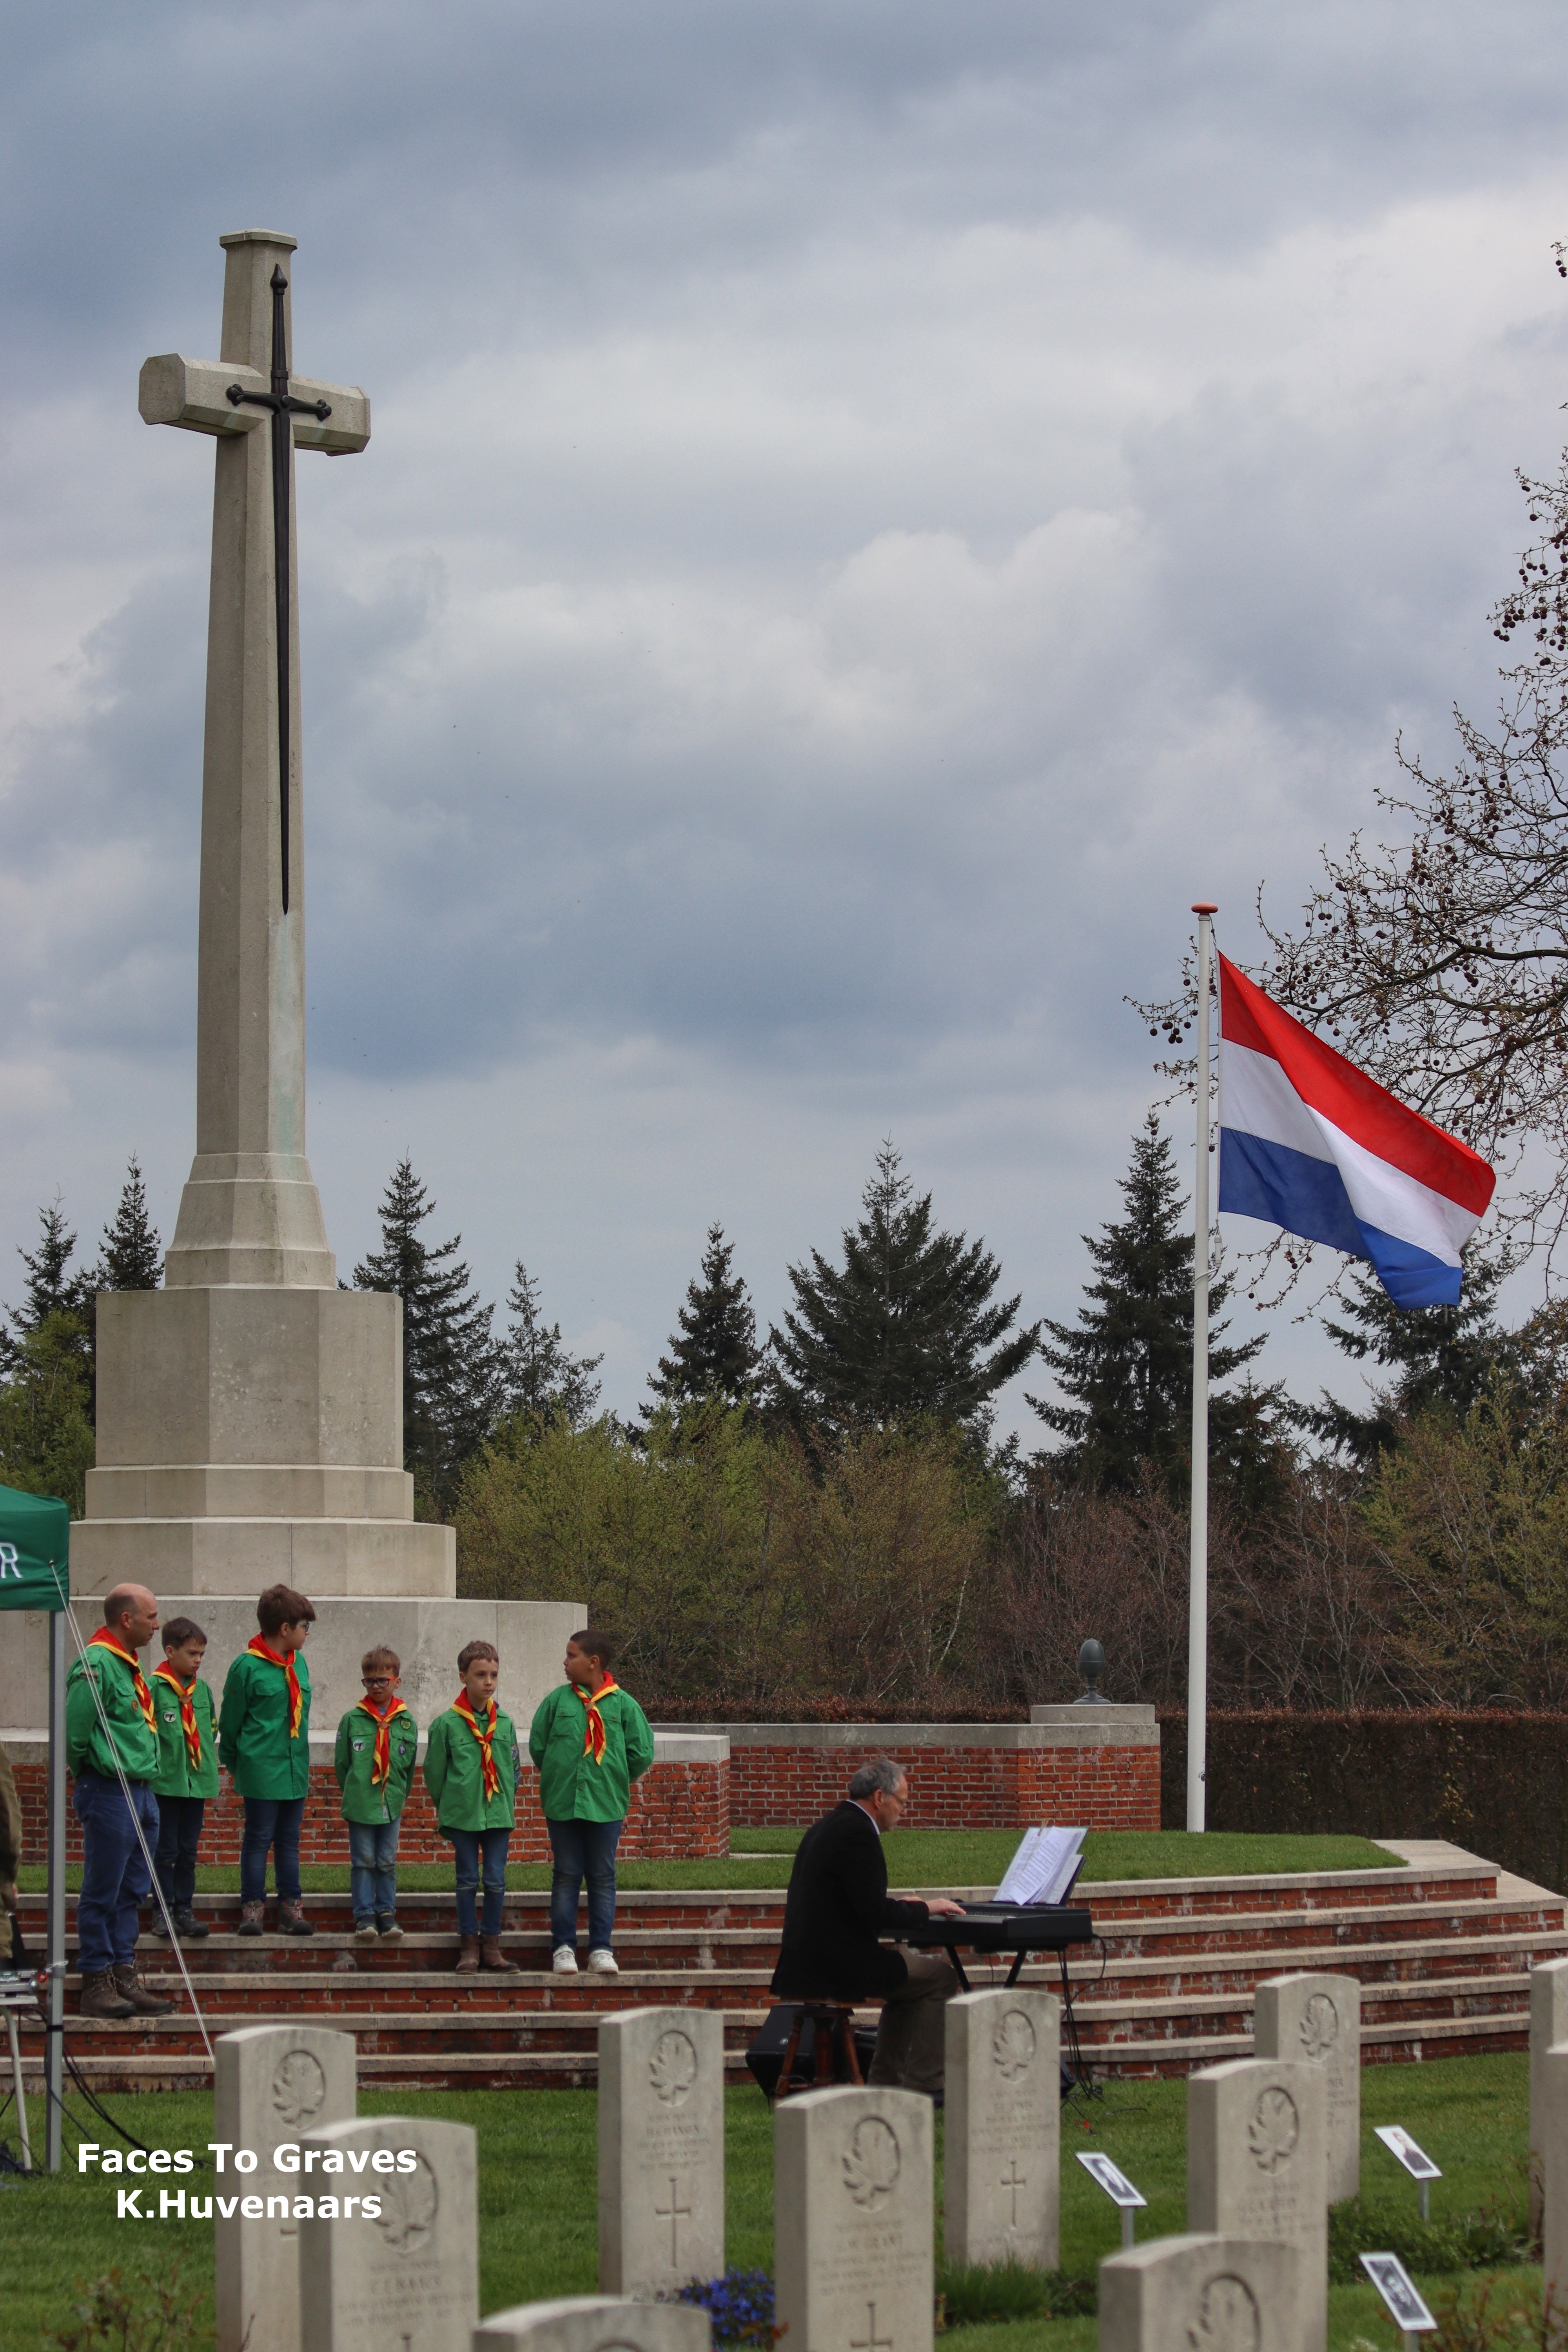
{"points": [[132, 1256], [902, 1328], [1127, 1364], [714, 1353], [450, 1377], [1439, 1356], [51, 1287], [539, 1380]]}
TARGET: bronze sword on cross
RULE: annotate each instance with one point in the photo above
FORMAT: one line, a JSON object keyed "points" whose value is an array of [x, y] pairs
{"points": [[285, 407]]}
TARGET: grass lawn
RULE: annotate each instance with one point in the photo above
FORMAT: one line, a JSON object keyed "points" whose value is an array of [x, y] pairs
{"points": [[537, 2176], [915, 1858]]}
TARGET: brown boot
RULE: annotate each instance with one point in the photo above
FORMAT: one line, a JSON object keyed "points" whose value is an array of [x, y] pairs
{"points": [[100, 1996], [291, 1919], [491, 1957], [251, 1919], [129, 1986], [468, 1957]]}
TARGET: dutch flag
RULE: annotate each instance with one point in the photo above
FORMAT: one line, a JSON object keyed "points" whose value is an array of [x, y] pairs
{"points": [[1309, 1142]]}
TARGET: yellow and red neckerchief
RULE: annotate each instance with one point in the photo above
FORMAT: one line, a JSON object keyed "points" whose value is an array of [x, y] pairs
{"points": [[462, 1705], [594, 1730], [380, 1756], [104, 1640], [188, 1724], [258, 1647]]}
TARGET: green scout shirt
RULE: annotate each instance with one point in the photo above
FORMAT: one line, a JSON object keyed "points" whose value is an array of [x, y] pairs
{"points": [[176, 1776], [355, 1755], [253, 1728], [128, 1739], [572, 1787], [455, 1778]]}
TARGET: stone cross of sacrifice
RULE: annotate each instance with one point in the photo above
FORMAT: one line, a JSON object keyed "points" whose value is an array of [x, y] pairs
{"points": [[251, 1212]]}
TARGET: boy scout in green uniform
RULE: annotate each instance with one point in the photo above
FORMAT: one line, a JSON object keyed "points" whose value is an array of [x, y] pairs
{"points": [[590, 1740], [187, 1770], [264, 1745], [471, 1769], [373, 1760]]}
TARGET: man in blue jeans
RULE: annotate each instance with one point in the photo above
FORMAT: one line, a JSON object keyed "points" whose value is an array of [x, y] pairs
{"points": [[111, 1748]]}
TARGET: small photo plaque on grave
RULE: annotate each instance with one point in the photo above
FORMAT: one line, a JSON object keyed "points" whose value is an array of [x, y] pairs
{"points": [[1416, 2160], [1116, 2185], [1399, 2292]]}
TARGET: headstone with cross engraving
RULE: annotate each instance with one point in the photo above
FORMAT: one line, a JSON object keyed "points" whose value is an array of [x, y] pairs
{"points": [[275, 2083], [661, 2148], [595, 2323], [1256, 2167], [1318, 2018], [1202, 2294], [403, 2277], [852, 2221], [1002, 2141], [1547, 2028]]}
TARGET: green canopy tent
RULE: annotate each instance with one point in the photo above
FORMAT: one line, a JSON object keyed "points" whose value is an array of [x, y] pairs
{"points": [[35, 1573]]}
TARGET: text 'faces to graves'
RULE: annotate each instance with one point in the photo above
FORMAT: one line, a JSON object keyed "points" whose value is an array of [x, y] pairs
{"points": [[274, 2083], [852, 2221], [661, 2148]]}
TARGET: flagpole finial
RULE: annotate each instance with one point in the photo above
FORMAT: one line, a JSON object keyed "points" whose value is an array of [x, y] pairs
{"points": [[1206, 907]]}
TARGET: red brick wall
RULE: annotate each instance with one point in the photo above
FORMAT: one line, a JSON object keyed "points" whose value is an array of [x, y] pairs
{"points": [[676, 1810], [956, 1788]]}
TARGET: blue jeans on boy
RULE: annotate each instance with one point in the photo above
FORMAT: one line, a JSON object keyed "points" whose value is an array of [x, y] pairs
{"points": [[583, 1850], [270, 1822], [474, 1849], [179, 1833], [372, 1870], [115, 1873]]}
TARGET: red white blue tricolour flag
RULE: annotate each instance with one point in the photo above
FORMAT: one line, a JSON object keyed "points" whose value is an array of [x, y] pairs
{"points": [[1309, 1142]]}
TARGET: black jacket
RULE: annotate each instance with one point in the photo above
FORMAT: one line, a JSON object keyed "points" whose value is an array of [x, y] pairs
{"points": [[836, 1906]]}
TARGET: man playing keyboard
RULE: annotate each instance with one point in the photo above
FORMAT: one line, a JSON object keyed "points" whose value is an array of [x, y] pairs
{"points": [[838, 1906]]}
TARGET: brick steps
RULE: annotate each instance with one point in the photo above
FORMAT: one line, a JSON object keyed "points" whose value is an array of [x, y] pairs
{"points": [[1443, 1955]]}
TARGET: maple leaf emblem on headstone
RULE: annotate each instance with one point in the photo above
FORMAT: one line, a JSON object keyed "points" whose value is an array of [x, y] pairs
{"points": [[1013, 2045], [408, 2203], [1274, 2130], [672, 2067], [1227, 2319], [1319, 2025], [299, 2088], [871, 2162]]}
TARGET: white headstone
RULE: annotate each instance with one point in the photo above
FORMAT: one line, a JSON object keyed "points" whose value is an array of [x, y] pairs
{"points": [[1202, 2294], [1319, 2018], [275, 2083], [852, 2221], [1549, 2128], [1256, 2168], [1002, 2128], [407, 2278], [661, 2148], [1548, 2026], [595, 2323]]}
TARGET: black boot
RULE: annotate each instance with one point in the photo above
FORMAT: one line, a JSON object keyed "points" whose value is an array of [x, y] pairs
{"points": [[190, 1927]]}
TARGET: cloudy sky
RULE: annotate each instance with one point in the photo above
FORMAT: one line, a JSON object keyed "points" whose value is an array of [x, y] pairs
{"points": [[872, 510]]}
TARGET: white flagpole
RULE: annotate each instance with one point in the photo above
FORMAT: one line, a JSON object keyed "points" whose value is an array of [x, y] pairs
{"points": [[1199, 1601]]}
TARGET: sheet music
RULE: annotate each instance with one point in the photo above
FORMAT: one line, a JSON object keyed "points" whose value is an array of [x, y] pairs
{"points": [[1043, 1868]]}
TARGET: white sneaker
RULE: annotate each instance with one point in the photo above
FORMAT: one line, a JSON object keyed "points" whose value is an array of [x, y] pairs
{"points": [[563, 1960], [603, 1964]]}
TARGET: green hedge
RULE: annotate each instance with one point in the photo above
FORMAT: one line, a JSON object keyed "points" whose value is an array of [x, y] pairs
{"points": [[1497, 1784]]}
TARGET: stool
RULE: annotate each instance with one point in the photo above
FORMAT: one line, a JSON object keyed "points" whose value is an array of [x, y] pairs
{"points": [[833, 2036]]}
